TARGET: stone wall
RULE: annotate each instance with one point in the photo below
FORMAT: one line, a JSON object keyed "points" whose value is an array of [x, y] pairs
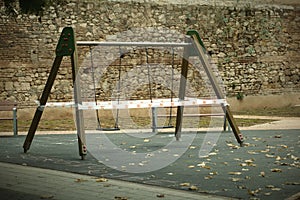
{"points": [[255, 47]]}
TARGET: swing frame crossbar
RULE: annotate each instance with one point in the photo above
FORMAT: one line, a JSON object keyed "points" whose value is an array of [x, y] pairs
{"points": [[137, 44], [67, 46]]}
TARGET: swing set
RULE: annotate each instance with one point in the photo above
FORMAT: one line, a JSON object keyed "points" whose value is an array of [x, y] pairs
{"points": [[67, 46]]}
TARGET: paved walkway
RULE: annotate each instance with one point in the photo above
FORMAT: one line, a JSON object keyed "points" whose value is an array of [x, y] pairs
{"points": [[280, 123], [23, 182]]}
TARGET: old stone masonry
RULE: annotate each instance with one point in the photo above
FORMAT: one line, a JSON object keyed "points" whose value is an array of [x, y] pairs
{"points": [[254, 47]]}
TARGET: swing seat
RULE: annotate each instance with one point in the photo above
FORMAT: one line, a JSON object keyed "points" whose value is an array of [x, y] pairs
{"points": [[162, 127], [108, 129]]}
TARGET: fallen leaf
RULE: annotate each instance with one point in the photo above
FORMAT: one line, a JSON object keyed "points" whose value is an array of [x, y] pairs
{"points": [[101, 180], [284, 146], [107, 185], [270, 147], [249, 161], [269, 186], [206, 167], [256, 139], [185, 184], [262, 174], [46, 196], [294, 157], [276, 189], [276, 170], [252, 152], [234, 173], [213, 173], [246, 144], [208, 177], [242, 187], [235, 179], [205, 156], [201, 164], [292, 183], [235, 147], [78, 180], [254, 192], [265, 151], [160, 195], [278, 158], [123, 167], [121, 198], [193, 187], [269, 156]]}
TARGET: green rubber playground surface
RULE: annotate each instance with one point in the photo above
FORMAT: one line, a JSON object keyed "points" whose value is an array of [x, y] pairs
{"points": [[267, 167]]}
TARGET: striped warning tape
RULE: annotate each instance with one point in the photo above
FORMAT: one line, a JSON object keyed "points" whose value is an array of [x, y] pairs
{"points": [[106, 105]]}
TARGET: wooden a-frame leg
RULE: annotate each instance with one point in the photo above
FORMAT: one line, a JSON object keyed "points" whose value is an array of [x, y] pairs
{"points": [[182, 88], [43, 101]]}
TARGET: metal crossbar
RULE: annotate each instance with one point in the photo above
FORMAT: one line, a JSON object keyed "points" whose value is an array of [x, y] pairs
{"points": [[140, 44]]}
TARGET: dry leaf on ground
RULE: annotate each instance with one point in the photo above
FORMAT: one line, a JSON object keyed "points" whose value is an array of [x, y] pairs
{"points": [[234, 173], [276, 189], [292, 183], [193, 187], [185, 184], [208, 177], [276, 170], [160, 195], [213, 173], [269, 156], [79, 180], [254, 192], [120, 198], [46, 196], [235, 179], [101, 180], [269, 186]]}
